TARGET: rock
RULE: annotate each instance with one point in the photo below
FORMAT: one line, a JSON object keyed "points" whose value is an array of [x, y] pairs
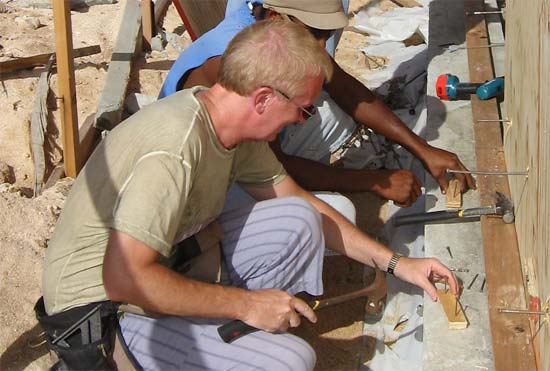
{"points": [[135, 101], [7, 175], [158, 43], [28, 22]]}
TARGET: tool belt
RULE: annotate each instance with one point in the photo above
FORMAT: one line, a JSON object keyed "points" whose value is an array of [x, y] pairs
{"points": [[84, 338], [89, 337], [354, 140]]}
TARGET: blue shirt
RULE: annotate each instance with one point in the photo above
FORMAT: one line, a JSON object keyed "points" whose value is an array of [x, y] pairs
{"points": [[211, 44]]}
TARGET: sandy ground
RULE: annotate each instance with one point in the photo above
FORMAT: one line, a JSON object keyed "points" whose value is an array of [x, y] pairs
{"points": [[26, 223]]}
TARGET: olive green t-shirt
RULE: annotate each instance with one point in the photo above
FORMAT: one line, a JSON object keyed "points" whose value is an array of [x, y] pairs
{"points": [[160, 176]]}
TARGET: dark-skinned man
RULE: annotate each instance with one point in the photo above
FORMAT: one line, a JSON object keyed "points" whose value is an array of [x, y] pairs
{"points": [[306, 151]]}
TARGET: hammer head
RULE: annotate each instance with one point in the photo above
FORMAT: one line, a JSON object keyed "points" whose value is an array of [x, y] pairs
{"points": [[505, 208]]}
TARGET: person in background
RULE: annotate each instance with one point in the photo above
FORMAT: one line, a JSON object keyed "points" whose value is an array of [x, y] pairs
{"points": [[344, 108]]}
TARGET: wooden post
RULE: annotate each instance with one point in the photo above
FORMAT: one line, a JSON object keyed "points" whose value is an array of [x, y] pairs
{"points": [[66, 85], [513, 347], [147, 23]]}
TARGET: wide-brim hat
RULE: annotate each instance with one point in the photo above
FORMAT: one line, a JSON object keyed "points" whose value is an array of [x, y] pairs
{"points": [[321, 14]]}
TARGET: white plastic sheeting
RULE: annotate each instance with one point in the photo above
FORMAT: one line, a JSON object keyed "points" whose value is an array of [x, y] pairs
{"points": [[399, 332], [396, 25]]}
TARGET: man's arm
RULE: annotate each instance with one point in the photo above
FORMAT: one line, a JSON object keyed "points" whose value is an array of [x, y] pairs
{"points": [[343, 237], [204, 75], [401, 186], [358, 101], [132, 274]]}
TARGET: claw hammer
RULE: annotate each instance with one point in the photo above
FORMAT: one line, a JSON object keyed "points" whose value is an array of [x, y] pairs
{"points": [[235, 329], [503, 207]]}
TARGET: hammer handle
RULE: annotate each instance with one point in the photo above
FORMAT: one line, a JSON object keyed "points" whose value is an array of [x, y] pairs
{"points": [[434, 216], [235, 329], [426, 217]]}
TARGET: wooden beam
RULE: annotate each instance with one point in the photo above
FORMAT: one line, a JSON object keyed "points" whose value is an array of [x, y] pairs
{"points": [[147, 24], [66, 86], [199, 19], [109, 110], [527, 146], [511, 335], [160, 9], [41, 59]]}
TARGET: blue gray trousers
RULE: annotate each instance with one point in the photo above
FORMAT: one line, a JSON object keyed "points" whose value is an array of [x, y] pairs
{"points": [[271, 244]]}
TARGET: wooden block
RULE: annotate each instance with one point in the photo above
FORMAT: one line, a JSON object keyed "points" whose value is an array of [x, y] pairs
{"points": [[454, 196], [453, 310]]}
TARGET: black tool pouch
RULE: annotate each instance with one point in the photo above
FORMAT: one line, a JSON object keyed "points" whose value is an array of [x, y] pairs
{"points": [[82, 337]]}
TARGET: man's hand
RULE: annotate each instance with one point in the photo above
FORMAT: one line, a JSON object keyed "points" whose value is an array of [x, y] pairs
{"points": [[424, 273], [437, 161], [400, 186], [275, 310]]}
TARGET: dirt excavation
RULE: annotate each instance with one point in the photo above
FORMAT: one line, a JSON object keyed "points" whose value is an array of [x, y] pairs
{"points": [[27, 221]]}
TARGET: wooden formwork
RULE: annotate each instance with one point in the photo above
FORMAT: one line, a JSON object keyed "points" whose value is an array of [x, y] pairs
{"points": [[527, 147]]}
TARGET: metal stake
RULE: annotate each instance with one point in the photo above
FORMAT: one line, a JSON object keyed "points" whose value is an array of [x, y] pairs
{"points": [[454, 48], [522, 311], [486, 12], [495, 120], [524, 173]]}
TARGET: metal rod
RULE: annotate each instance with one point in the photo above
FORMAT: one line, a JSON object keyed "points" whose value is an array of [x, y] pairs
{"points": [[486, 12], [449, 250], [525, 173], [521, 311], [466, 270], [453, 48], [482, 285], [499, 120]]}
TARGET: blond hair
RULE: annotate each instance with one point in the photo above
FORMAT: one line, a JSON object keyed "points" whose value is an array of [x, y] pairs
{"points": [[279, 54]]}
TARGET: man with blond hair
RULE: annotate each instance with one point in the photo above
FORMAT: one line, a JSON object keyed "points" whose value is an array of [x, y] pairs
{"points": [[135, 216]]}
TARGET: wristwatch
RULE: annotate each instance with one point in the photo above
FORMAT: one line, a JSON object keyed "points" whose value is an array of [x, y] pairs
{"points": [[393, 262]]}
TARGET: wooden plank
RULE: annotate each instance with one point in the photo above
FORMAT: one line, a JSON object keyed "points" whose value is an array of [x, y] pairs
{"points": [[39, 127], [511, 336], [453, 310], [527, 145], [66, 86], [454, 195], [111, 102], [160, 9], [147, 24], [41, 59], [199, 18]]}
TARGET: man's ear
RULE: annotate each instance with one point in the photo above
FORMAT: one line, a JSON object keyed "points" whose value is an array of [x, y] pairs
{"points": [[261, 98], [272, 15]]}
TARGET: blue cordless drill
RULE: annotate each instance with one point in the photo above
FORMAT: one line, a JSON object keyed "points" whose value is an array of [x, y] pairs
{"points": [[448, 87]]}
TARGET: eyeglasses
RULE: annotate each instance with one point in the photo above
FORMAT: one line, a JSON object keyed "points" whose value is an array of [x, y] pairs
{"points": [[306, 112]]}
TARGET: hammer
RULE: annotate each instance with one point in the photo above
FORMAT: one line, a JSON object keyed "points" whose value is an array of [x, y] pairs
{"points": [[503, 208], [235, 329]]}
